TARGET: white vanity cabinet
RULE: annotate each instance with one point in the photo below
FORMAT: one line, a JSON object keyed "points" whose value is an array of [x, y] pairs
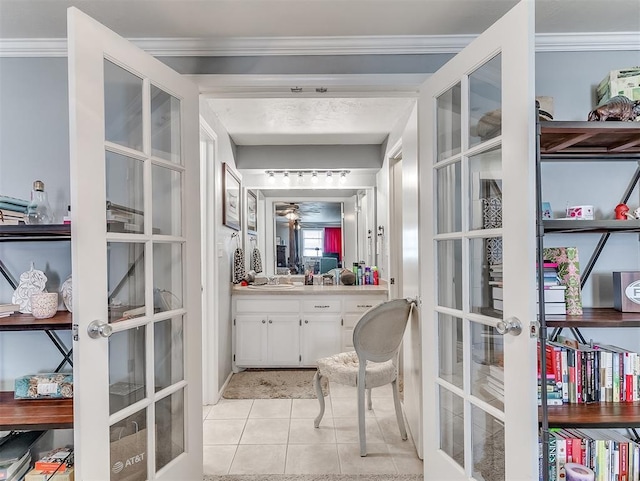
{"points": [[354, 307], [266, 332], [321, 328], [297, 326]]}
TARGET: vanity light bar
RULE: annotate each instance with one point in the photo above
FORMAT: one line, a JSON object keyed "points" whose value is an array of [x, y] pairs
{"points": [[301, 175]]}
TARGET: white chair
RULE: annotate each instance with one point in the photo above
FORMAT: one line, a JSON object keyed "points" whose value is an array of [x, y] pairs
{"points": [[376, 339]]}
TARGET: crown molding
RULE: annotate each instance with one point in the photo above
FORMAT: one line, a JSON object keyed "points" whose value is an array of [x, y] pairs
{"points": [[372, 45]]}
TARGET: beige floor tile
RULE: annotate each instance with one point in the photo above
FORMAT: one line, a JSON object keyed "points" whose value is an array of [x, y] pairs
{"points": [[382, 391], [312, 459], [266, 431], [310, 408], [302, 431], [378, 460], [347, 430], [405, 458], [389, 426], [205, 411], [222, 431], [340, 390], [217, 459], [258, 459], [271, 408], [231, 409]]}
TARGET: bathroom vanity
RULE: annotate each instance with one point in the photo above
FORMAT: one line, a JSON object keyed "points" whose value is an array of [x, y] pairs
{"points": [[292, 326]]}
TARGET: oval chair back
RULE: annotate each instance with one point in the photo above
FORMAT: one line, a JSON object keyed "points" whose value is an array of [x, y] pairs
{"points": [[378, 334]]}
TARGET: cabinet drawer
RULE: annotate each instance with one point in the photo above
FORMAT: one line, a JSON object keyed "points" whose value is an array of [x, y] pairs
{"points": [[350, 320], [362, 305], [267, 306], [322, 305]]}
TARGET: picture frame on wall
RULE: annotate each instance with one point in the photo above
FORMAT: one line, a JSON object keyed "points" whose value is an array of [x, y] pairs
{"points": [[252, 211], [231, 202]]}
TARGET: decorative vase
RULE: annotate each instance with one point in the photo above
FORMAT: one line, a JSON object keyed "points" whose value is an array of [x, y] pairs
{"points": [[67, 293], [31, 282], [44, 305]]}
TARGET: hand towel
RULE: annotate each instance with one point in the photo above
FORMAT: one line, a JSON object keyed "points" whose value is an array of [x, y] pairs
{"points": [[256, 260], [238, 265]]}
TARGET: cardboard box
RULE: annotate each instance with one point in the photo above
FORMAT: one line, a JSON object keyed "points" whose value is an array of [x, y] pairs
{"points": [[62, 475], [619, 82], [626, 291]]}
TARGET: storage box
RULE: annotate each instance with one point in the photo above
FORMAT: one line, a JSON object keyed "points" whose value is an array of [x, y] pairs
{"points": [[53, 385], [65, 474], [626, 291], [619, 82]]}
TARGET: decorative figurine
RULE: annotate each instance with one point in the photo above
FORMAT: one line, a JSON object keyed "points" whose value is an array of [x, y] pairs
{"points": [[622, 211], [616, 108]]}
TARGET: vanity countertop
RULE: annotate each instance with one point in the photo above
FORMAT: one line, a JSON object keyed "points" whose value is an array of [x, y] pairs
{"points": [[297, 290]]}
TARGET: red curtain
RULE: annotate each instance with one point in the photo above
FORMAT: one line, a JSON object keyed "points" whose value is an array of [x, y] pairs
{"points": [[333, 240]]}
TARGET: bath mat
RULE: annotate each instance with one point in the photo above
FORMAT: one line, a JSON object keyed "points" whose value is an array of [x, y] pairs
{"points": [[273, 384]]}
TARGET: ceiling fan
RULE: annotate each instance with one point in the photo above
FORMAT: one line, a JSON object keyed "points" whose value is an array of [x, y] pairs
{"points": [[289, 210]]}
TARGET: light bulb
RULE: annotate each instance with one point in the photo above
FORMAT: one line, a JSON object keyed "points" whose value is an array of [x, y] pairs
{"points": [[286, 178], [329, 179], [343, 177], [314, 177], [272, 178]]}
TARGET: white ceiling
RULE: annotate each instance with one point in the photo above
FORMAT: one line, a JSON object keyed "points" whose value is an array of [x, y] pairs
{"points": [[307, 120]]}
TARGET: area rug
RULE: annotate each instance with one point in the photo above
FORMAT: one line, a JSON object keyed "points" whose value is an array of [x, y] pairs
{"points": [[273, 384], [315, 477]]}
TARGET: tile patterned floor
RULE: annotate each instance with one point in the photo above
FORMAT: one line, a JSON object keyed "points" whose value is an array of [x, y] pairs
{"points": [[276, 436]]}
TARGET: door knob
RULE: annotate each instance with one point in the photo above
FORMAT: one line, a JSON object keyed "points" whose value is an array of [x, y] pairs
{"points": [[98, 329], [510, 325]]}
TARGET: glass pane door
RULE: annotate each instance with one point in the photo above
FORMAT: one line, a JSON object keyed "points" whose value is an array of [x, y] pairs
{"points": [[136, 253]]}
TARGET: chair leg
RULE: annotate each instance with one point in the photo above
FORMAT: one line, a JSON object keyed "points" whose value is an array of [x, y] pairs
{"points": [[369, 405], [361, 420], [398, 406], [317, 382]]}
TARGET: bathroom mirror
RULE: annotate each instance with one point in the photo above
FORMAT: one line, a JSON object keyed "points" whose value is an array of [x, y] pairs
{"points": [[335, 221]]}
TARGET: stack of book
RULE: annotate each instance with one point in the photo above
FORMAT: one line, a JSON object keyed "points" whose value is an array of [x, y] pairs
{"points": [[554, 380], [121, 218], [495, 282], [554, 291], [8, 309], [12, 211], [56, 465], [15, 454]]}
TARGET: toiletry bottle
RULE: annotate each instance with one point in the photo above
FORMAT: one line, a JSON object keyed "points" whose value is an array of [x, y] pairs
{"points": [[367, 275], [376, 276], [39, 210], [67, 218], [359, 276]]}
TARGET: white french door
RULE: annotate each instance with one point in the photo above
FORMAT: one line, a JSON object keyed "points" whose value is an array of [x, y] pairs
{"points": [[477, 204], [136, 261]]}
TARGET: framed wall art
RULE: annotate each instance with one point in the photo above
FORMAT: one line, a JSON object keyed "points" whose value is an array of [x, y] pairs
{"points": [[252, 211], [231, 201]]}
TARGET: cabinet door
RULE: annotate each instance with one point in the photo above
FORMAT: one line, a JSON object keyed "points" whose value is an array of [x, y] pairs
{"points": [[251, 340], [283, 340], [321, 336]]}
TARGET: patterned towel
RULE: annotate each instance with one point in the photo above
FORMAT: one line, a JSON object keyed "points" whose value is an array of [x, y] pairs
{"points": [[256, 260], [238, 266]]}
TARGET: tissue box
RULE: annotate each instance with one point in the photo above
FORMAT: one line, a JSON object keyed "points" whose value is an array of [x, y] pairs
{"points": [[626, 291], [619, 82], [44, 386]]}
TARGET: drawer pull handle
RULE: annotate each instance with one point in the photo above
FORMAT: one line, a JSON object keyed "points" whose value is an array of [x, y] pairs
{"points": [[270, 321], [365, 305], [321, 307], [263, 321], [306, 321]]}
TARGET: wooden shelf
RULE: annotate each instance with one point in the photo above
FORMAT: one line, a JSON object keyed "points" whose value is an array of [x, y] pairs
{"points": [[568, 226], [584, 140], [32, 414], [26, 322], [595, 317], [595, 415], [24, 232]]}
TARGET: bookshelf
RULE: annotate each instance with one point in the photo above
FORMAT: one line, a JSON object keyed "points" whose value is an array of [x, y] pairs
{"points": [[36, 414], [586, 142]]}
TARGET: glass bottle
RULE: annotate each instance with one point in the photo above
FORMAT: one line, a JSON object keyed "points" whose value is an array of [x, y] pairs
{"points": [[39, 210]]}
